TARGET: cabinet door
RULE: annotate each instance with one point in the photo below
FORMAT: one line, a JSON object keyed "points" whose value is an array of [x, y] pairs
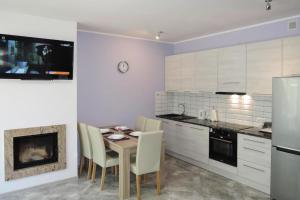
{"points": [[291, 56], [254, 172], [232, 69], [193, 142], [173, 73], [200, 143], [169, 134], [206, 71], [263, 63], [187, 71]]}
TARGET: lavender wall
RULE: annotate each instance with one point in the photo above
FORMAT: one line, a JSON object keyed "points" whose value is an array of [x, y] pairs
{"points": [[254, 34], [106, 96]]}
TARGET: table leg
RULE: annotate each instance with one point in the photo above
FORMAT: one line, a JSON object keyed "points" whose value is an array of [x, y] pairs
{"points": [[124, 174], [162, 163]]}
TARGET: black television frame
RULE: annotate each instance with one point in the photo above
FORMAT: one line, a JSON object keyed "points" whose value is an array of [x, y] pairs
{"points": [[38, 76]]}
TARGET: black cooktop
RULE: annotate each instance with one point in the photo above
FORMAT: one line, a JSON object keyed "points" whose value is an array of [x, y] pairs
{"points": [[231, 126], [217, 125]]}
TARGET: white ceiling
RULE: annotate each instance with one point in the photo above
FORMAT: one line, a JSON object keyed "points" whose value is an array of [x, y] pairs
{"points": [[179, 19]]}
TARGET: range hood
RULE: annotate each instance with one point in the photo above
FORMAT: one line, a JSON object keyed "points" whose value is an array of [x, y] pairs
{"points": [[231, 93]]}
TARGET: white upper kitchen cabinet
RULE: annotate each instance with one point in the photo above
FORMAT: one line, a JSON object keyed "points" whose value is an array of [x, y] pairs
{"points": [[264, 61], [291, 56], [206, 71], [187, 71], [232, 69], [179, 72], [173, 73]]}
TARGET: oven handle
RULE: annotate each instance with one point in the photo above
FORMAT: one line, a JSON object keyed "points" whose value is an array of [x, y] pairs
{"points": [[221, 140]]}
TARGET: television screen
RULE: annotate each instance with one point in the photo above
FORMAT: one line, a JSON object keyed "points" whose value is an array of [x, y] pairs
{"points": [[35, 58]]}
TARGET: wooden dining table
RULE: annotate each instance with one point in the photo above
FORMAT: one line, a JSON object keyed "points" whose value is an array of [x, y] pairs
{"points": [[124, 148]]}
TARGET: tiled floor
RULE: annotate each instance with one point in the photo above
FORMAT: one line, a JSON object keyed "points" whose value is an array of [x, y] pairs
{"points": [[182, 182]]}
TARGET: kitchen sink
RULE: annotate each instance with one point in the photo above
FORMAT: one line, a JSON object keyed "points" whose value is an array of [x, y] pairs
{"points": [[183, 117], [176, 117]]}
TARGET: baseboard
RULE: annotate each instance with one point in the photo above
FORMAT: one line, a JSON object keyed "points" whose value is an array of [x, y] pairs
{"points": [[224, 173], [40, 186]]}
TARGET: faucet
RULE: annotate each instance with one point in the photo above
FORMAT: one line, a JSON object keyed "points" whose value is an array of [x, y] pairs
{"points": [[181, 104]]}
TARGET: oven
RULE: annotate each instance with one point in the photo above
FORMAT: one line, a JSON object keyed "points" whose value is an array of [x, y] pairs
{"points": [[223, 145]]}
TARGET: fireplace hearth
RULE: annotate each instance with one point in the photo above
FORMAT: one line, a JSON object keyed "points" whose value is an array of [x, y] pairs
{"points": [[33, 151]]}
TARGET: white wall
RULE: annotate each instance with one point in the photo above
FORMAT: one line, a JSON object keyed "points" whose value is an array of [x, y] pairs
{"points": [[39, 103]]}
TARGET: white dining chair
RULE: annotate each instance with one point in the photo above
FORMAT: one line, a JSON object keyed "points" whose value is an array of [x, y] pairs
{"points": [[148, 158], [152, 125], [140, 123], [100, 156], [86, 149]]}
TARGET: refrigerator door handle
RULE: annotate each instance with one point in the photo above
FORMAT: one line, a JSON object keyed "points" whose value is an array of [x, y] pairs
{"points": [[288, 150]]}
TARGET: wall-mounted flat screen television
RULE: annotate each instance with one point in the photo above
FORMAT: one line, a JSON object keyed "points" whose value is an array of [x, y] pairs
{"points": [[35, 58]]}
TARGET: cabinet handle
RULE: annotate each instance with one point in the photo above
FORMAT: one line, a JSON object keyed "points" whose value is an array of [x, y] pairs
{"points": [[261, 170], [295, 74], [226, 83], [254, 150], [260, 142], [226, 141]]}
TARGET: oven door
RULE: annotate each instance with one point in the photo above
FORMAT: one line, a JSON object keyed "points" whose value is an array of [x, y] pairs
{"points": [[223, 150]]}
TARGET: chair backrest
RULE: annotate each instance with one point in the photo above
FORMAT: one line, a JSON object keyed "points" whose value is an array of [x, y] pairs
{"points": [[149, 152], [99, 154], [85, 142], [140, 123], [152, 125]]}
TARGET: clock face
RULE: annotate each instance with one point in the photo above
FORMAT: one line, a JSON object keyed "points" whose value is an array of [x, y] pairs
{"points": [[123, 66]]}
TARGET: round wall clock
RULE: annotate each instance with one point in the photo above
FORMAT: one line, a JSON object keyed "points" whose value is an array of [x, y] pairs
{"points": [[123, 66]]}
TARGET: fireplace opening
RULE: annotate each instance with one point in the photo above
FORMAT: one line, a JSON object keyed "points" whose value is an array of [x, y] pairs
{"points": [[35, 150]]}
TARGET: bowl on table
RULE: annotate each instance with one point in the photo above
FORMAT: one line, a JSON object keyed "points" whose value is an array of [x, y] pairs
{"points": [[121, 128], [116, 136]]}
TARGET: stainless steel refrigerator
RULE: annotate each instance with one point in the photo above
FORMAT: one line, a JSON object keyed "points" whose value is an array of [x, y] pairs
{"points": [[285, 167]]}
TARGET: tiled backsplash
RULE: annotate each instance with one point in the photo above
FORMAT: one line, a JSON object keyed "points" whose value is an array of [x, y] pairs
{"points": [[248, 110]]}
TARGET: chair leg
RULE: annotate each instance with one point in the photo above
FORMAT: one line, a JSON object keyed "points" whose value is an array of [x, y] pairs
{"points": [[102, 178], [138, 187], [94, 172], [81, 165], [90, 169], [158, 182]]}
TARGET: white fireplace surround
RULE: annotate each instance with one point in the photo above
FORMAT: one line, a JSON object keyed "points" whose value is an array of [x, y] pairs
{"points": [[39, 103]]}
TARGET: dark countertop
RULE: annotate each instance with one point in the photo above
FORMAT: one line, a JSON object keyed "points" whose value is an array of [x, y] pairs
{"points": [[242, 129], [255, 131]]}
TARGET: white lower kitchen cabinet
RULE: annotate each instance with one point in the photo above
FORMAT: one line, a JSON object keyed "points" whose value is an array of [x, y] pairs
{"points": [[255, 150], [193, 141], [191, 144], [254, 161], [254, 172], [187, 140], [169, 134]]}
